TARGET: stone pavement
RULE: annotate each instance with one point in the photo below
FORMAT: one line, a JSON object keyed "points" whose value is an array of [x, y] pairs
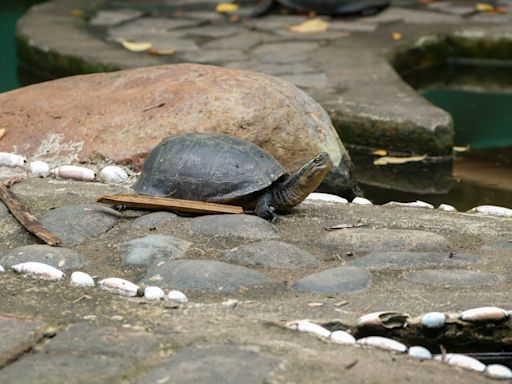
{"points": [[245, 278], [350, 68]]}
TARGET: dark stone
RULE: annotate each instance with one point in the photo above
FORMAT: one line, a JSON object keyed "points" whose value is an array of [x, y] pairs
{"points": [[75, 224], [153, 219], [271, 254], [208, 275], [456, 278], [58, 257], [214, 364], [405, 260], [341, 280], [144, 250], [243, 226], [385, 240]]}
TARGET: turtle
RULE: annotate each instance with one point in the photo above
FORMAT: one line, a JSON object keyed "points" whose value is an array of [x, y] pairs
{"points": [[225, 169], [324, 7]]}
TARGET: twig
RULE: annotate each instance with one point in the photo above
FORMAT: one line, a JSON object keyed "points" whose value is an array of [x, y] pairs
{"points": [[23, 215]]}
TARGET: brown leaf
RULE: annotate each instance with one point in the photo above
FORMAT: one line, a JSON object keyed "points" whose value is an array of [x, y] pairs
{"points": [[396, 36], [161, 52], [311, 26], [136, 46], [398, 160], [226, 7]]}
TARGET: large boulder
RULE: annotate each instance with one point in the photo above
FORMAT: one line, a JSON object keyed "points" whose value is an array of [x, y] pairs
{"points": [[122, 115]]}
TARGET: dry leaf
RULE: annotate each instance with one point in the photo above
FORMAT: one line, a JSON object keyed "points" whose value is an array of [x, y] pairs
{"points": [[484, 7], [398, 160], [379, 152], [136, 46], [2, 132], [226, 7], [311, 26], [77, 12], [396, 36], [162, 52], [461, 149]]}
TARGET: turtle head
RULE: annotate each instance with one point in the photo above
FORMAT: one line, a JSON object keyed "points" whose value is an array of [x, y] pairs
{"points": [[313, 172]]}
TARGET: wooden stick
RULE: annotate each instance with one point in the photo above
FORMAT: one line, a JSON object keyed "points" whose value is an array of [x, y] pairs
{"points": [[168, 204], [23, 215]]}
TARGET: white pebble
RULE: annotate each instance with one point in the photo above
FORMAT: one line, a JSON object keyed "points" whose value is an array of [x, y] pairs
{"points": [[498, 371], [461, 361], [153, 293], [361, 201], [342, 337], [447, 208], [12, 160], [177, 296], [382, 343], [2, 269], [39, 270], [419, 352], [484, 314], [81, 279], [326, 197], [309, 327], [113, 175], [433, 320], [385, 319], [121, 286], [39, 168], [414, 204], [74, 172], [492, 210]]}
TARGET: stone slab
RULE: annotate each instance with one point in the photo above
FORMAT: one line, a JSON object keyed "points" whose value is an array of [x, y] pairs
{"points": [[152, 248], [455, 278], [340, 280], [58, 257], [203, 275], [154, 219], [271, 254], [242, 226]]}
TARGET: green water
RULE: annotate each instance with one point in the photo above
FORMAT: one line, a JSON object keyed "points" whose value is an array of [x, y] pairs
{"points": [[10, 12], [482, 119]]}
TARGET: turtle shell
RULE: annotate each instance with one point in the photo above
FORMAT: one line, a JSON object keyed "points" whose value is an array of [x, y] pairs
{"points": [[207, 167]]}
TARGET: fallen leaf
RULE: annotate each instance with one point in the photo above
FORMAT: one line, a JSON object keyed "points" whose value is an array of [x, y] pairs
{"points": [[136, 46], [484, 7], [310, 26], [76, 12], [162, 52], [461, 149], [345, 226], [379, 152], [341, 303], [398, 160], [315, 304], [2, 132], [226, 7], [396, 36]]}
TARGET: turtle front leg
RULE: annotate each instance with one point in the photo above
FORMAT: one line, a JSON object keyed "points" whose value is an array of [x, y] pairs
{"points": [[264, 209]]}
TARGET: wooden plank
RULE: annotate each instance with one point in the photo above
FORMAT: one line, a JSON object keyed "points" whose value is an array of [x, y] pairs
{"points": [[23, 215], [166, 203]]}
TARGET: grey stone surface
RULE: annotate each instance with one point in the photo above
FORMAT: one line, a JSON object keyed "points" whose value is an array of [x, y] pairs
{"points": [[405, 260], [341, 280], [207, 56], [308, 80], [385, 240], [109, 18], [145, 250], [272, 69], [203, 275], [242, 41], [75, 224], [501, 245], [455, 278], [271, 254], [58, 257], [284, 52], [243, 226], [18, 336], [227, 364], [154, 219]]}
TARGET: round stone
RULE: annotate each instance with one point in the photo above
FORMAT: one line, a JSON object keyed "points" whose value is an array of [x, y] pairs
{"points": [[385, 240], [271, 254], [404, 260], [498, 371], [420, 352], [153, 293], [227, 364], [433, 320], [242, 226], [82, 279], [341, 280], [151, 220], [75, 224], [57, 257], [144, 250], [455, 277], [203, 275]]}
